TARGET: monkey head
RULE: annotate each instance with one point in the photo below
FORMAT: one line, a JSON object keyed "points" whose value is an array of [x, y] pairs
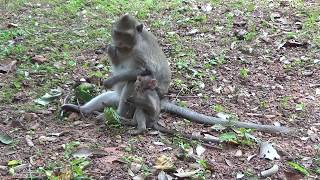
{"points": [[125, 31], [145, 82]]}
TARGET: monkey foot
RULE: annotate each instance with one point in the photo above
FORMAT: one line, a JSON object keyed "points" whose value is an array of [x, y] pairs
{"points": [[137, 132], [70, 107]]}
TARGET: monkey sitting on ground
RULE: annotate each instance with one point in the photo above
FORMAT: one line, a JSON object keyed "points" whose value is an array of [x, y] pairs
{"points": [[135, 49], [147, 103], [132, 51], [147, 114]]}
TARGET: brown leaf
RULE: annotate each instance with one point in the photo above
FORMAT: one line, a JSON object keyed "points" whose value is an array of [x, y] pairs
{"points": [[74, 117], [113, 150], [6, 66], [164, 163], [228, 162], [28, 139], [293, 44], [39, 59], [12, 25], [109, 159]]}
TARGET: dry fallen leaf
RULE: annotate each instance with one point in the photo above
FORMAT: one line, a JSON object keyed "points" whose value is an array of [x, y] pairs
{"points": [[113, 150], [135, 167], [109, 160], [238, 153], [82, 153], [7, 66], [271, 171], [12, 25], [39, 59], [292, 44], [251, 157], [164, 163], [43, 139], [200, 150], [268, 152], [229, 163], [183, 174], [29, 141]]}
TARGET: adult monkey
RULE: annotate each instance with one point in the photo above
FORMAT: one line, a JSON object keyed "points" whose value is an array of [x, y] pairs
{"points": [[137, 50], [133, 51]]}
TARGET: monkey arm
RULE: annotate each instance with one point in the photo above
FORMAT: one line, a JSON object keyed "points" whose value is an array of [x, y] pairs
{"points": [[125, 76]]}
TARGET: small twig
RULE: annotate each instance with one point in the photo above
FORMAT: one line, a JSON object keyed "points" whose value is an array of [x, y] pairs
{"points": [[66, 99], [176, 96], [102, 173], [179, 93], [211, 146], [314, 85], [79, 108]]}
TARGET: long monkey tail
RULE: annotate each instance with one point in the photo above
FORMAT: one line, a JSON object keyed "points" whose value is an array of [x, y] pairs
{"points": [[162, 129], [193, 116]]}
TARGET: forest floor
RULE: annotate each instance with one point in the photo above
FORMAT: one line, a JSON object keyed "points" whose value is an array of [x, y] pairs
{"points": [[256, 60]]}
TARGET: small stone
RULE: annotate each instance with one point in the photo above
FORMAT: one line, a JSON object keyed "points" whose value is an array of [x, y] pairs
{"points": [[240, 34], [30, 116], [192, 32], [44, 139], [138, 177], [238, 153], [307, 73], [98, 51], [74, 117], [135, 167], [206, 8]]}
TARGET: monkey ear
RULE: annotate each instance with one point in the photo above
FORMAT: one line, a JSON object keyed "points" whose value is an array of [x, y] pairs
{"points": [[152, 83], [139, 28]]}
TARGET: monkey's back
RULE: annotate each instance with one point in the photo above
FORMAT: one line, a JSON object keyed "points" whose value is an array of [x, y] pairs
{"points": [[155, 60]]}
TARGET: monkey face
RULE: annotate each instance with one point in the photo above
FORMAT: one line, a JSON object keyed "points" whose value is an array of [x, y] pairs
{"points": [[145, 82], [125, 40]]}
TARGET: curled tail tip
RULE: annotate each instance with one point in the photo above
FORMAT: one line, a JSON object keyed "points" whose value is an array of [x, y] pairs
{"points": [[70, 107]]}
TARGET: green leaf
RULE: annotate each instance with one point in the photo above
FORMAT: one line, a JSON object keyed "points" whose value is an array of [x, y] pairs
{"points": [[5, 139], [299, 168], [85, 92], [111, 116], [49, 97], [300, 107], [11, 171], [14, 162], [228, 137]]}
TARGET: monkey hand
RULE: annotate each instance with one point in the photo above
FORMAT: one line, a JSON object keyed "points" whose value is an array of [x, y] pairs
{"points": [[130, 99], [111, 50], [108, 83], [146, 72]]}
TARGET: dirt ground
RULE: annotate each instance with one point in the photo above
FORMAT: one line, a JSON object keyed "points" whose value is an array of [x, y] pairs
{"points": [[259, 61]]}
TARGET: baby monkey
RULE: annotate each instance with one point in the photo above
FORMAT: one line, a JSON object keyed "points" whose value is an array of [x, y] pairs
{"points": [[147, 102]]}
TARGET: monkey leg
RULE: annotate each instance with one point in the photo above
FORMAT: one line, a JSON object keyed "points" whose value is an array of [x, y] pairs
{"points": [[126, 109], [128, 122], [140, 118], [109, 98]]}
